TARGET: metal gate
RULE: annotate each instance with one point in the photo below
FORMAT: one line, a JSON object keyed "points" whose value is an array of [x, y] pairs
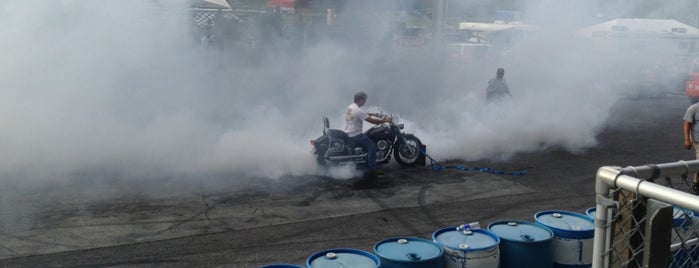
{"points": [[645, 218]]}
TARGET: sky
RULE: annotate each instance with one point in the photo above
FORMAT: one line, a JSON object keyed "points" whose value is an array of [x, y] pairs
{"points": [[101, 90]]}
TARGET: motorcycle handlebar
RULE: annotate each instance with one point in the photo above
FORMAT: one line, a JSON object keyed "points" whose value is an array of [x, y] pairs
{"points": [[382, 116]]}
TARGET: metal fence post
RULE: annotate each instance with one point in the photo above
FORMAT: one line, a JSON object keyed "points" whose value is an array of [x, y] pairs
{"points": [[605, 178], [657, 234]]}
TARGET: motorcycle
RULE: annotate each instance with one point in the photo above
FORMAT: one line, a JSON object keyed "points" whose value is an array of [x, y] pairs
{"points": [[335, 147]]}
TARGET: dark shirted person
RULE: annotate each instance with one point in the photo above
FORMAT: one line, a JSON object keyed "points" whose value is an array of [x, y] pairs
{"points": [[497, 87]]}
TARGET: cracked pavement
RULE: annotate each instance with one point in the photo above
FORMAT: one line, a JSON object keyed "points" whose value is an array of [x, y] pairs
{"points": [[223, 222]]}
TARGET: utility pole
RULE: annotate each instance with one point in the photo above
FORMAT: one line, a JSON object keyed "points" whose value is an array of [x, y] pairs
{"points": [[438, 17]]}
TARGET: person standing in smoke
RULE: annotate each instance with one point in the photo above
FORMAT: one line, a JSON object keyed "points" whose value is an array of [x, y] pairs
{"points": [[691, 137], [497, 87], [354, 118]]}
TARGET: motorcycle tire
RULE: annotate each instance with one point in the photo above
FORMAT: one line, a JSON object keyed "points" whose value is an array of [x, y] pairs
{"points": [[408, 153], [320, 157]]}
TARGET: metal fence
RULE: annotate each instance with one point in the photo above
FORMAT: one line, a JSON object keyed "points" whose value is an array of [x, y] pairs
{"points": [[644, 216]]}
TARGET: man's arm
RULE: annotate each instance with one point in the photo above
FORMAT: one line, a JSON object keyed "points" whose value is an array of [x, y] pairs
{"points": [[687, 126], [377, 121]]}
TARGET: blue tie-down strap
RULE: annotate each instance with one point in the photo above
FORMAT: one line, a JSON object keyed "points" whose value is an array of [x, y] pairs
{"points": [[437, 167], [490, 170]]}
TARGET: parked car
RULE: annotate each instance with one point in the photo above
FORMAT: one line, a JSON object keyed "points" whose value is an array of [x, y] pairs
{"points": [[469, 50]]}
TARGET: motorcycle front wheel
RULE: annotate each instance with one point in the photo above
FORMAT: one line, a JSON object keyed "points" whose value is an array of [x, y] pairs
{"points": [[408, 153]]}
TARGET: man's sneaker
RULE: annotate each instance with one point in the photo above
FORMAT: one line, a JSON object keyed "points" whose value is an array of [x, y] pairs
{"points": [[695, 188]]}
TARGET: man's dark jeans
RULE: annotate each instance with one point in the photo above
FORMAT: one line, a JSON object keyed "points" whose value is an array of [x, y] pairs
{"points": [[369, 147]]}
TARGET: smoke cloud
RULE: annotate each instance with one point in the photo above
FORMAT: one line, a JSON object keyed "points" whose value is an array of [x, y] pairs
{"points": [[115, 89]]}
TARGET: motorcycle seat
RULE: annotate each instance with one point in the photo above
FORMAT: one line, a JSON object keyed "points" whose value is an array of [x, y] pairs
{"points": [[341, 135], [337, 134]]}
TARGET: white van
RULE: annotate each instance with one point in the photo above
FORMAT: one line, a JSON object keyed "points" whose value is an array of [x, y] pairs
{"points": [[467, 51]]}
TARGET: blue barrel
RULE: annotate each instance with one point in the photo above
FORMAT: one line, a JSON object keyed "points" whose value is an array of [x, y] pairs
{"points": [[573, 237], [683, 223], [524, 244], [409, 253], [681, 217], [468, 248], [281, 266], [694, 250], [591, 213], [342, 258]]}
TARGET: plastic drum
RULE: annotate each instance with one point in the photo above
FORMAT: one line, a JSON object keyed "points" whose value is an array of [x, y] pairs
{"points": [[573, 237], [683, 223], [524, 244], [469, 248], [681, 216], [409, 253], [342, 258]]}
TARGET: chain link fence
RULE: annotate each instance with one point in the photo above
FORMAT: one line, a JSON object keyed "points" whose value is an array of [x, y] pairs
{"points": [[645, 217]]}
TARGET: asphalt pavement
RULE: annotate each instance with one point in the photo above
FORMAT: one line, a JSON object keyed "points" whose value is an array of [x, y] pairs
{"points": [[286, 220]]}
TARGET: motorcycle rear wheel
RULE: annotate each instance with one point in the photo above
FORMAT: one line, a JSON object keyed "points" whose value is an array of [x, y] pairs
{"points": [[320, 157]]}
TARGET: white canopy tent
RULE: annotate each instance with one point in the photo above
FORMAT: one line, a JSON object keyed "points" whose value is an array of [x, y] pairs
{"points": [[203, 4], [218, 4], [665, 27]]}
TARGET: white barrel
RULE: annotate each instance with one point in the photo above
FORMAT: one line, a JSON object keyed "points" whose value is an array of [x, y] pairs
{"points": [[573, 237], [468, 248]]}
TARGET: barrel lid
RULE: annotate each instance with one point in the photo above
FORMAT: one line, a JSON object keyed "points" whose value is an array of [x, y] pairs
{"points": [[410, 249], [341, 258], [566, 224], [470, 240], [681, 216], [521, 231], [281, 266]]}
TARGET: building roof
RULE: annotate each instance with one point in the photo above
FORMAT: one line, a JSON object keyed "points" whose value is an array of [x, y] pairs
{"points": [[639, 26]]}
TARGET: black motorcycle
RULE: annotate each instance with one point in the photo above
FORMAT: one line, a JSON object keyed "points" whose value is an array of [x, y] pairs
{"points": [[335, 147]]}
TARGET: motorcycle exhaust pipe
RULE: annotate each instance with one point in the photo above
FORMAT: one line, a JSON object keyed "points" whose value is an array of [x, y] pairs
{"points": [[355, 158], [346, 158]]}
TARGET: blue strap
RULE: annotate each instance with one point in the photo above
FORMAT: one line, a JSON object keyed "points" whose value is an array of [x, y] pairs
{"points": [[437, 167]]}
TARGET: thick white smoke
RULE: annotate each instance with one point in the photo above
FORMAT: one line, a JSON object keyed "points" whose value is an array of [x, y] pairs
{"points": [[101, 89]]}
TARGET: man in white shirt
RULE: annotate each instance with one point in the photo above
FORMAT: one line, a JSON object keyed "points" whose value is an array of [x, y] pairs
{"points": [[354, 118]]}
